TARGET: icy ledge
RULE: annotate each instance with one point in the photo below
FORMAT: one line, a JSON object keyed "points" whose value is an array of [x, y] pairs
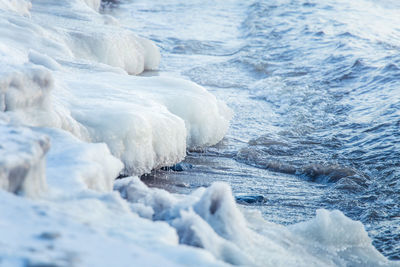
{"points": [[22, 160], [66, 66], [210, 219], [156, 228]]}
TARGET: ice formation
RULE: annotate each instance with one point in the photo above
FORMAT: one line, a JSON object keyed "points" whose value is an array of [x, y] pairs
{"points": [[73, 117], [58, 74], [22, 160], [210, 219]]}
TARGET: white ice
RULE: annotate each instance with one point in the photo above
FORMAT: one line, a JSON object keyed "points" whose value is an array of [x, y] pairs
{"points": [[22, 160], [210, 219], [72, 74]]}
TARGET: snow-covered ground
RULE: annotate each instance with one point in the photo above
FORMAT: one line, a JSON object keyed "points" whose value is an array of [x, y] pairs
{"points": [[74, 117]]}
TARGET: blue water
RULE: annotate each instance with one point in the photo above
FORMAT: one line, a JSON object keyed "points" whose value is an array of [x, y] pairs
{"points": [[315, 87]]}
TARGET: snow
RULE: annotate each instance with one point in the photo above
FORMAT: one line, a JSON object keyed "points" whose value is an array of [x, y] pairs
{"points": [[344, 238], [73, 117], [146, 128], [87, 165], [210, 219], [21, 7], [65, 70], [94, 4], [22, 160], [89, 229]]}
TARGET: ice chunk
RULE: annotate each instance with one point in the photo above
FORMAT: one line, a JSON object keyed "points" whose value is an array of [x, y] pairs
{"points": [[194, 231], [94, 37], [341, 236], [44, 60], [24, 88], [151, 53], [74, 166], [206, 118], [85, 226], [22, 160], [25, 98], [210, 219], [218, 208], [21, 7], [66, 67], [135, 191], [119, 49], [94, 4], [146, 121]]}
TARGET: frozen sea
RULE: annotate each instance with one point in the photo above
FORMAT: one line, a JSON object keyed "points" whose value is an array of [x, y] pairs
{"points": [[283, 117]]}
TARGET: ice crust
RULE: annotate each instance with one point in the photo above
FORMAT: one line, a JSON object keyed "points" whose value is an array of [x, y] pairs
{"points": [[74, 166], [73, 117], [21, 7], [210, 219], [58, 74], [22, 160]]}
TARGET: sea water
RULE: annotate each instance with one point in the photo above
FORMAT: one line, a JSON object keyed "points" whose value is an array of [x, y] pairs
{"points": [[315, 88]]}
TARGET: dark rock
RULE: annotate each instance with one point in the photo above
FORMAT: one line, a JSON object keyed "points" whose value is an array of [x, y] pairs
{"points": [[185, 185], [250, 199], [179, 167], [327, 173]]}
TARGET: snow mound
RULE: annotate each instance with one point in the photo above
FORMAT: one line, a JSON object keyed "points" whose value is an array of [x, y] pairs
{"points": [[22, 89], [86, 35], [148, 122], [94, 4], [88, 229], [69, 71], [206, 118], [87, 165], [121, 49], [344, 238], [22, 160], [21, 7], [26, 97], [210, 219]]}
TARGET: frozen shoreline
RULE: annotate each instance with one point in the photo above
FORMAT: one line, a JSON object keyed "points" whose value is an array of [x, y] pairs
{"points": [[65, 77]]}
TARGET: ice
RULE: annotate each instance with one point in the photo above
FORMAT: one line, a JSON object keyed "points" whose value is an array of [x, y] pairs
{"points": [[44, 60], [88, 35], [67, 79], [65, 70], [22, 160], [210, 219], [21, 7], [344, 238], [194, 231], [217, 207], [64, 74], [87, 165], [25, 88], [70, 165], [94, 4], [146, 128], [89, 229]]}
